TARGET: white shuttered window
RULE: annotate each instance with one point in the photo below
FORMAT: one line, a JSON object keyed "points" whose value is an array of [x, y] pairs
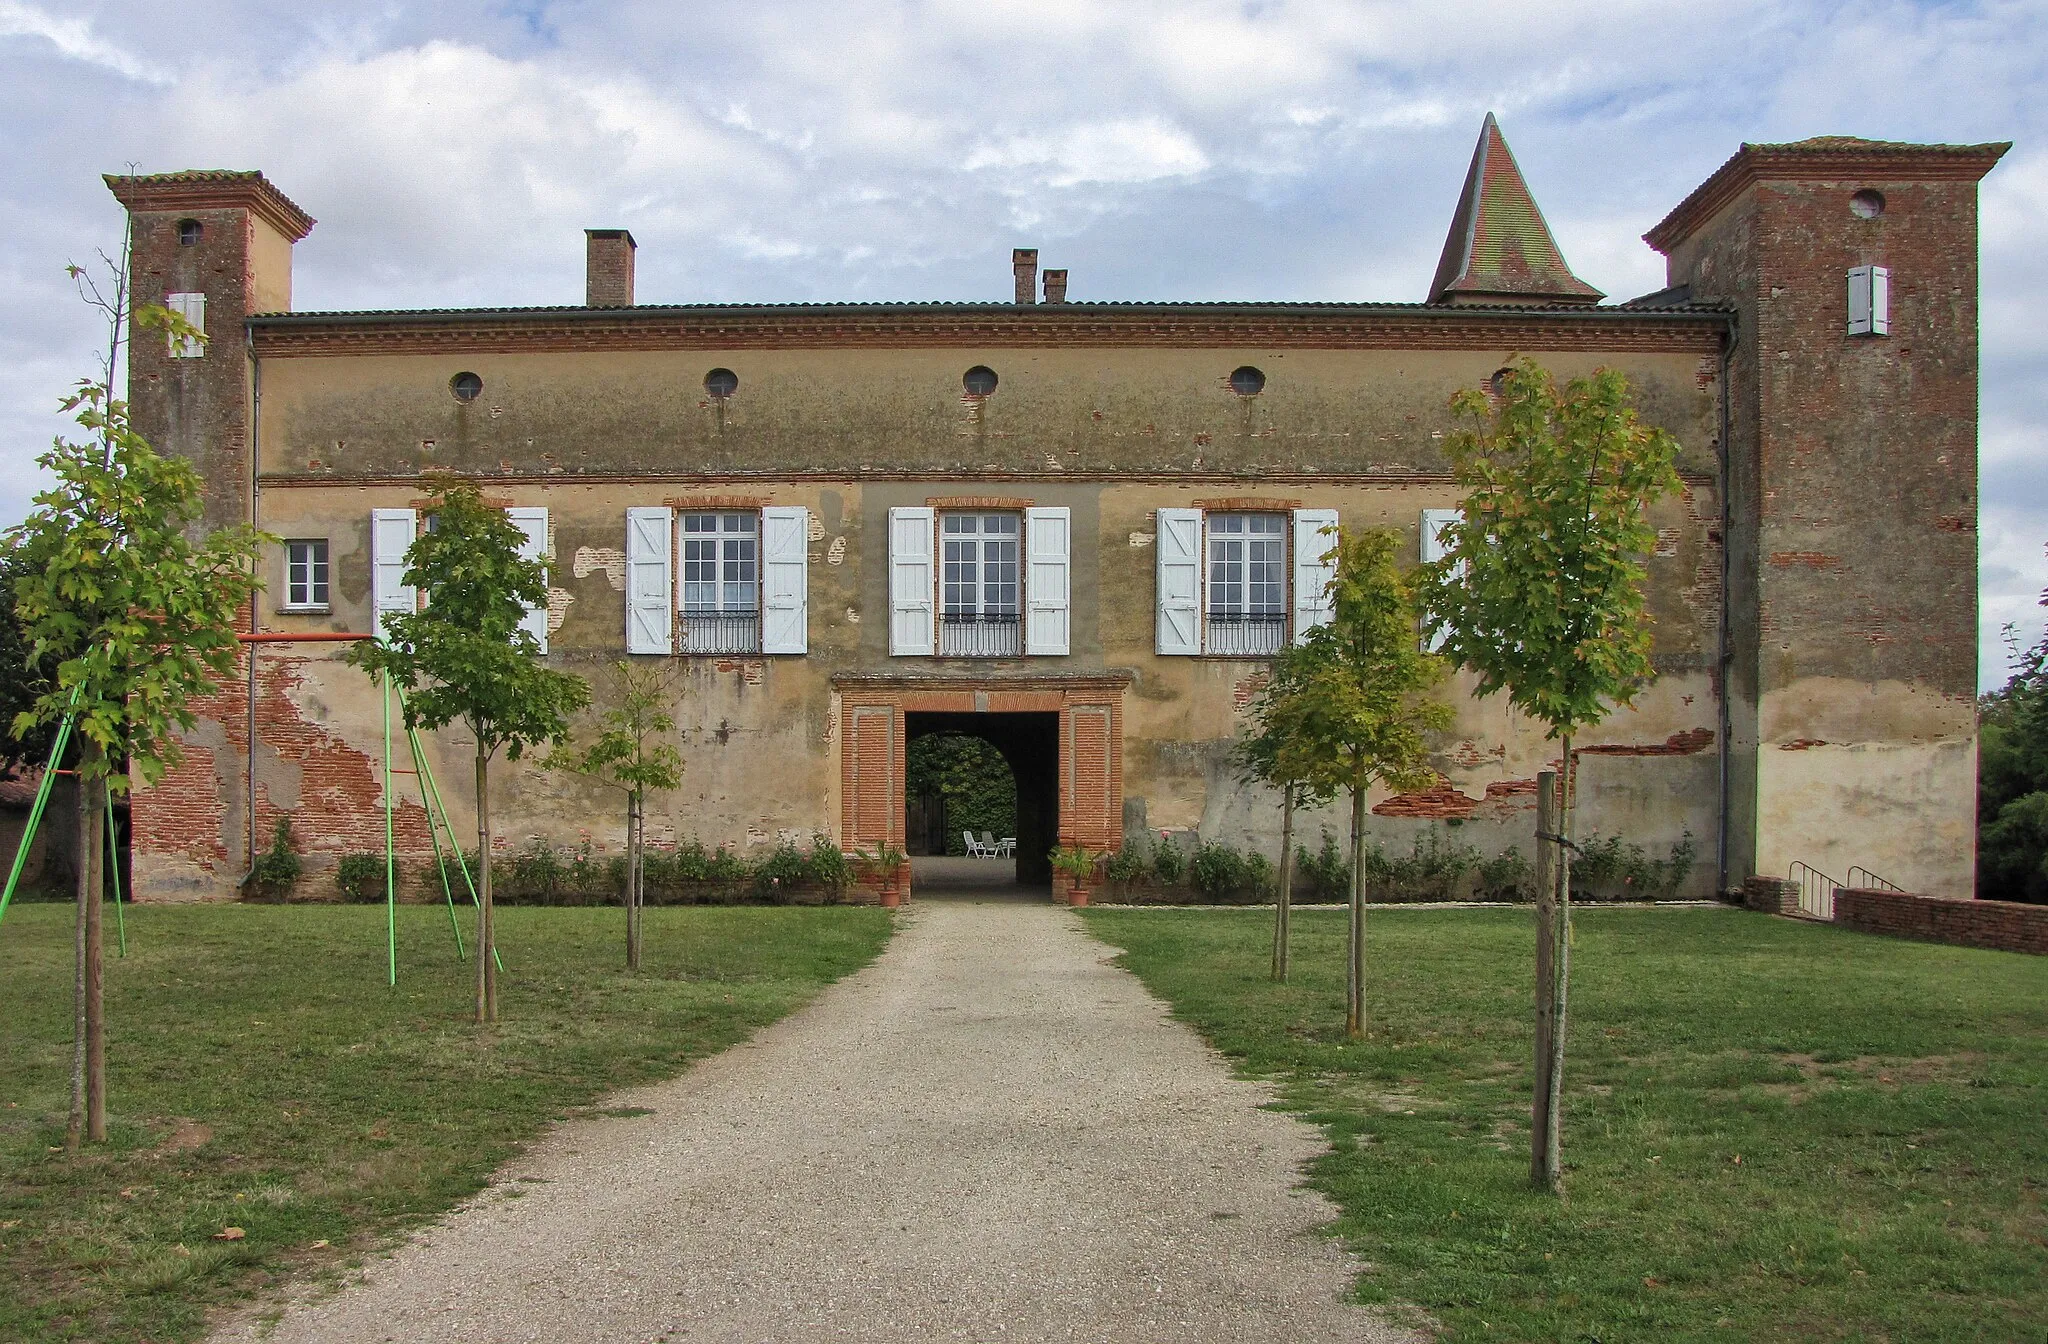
{"points": [[1178, 545], [785, 579], [391, 534], [912, 631], [650, 601], [1315, 568], [1048, 542], [1434, 546], [534, 523]]}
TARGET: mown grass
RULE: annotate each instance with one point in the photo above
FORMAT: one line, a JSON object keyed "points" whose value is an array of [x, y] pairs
{"points": [[1773, 1130], [264, 1077]]}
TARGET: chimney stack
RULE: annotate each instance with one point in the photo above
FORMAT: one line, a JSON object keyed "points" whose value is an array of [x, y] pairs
{"points": [[1024, 261], [608, 277], [1056, 286]]}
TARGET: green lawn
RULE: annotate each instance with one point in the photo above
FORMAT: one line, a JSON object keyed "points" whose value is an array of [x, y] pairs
{"points": [[263, 1076], [1773, 1130]]}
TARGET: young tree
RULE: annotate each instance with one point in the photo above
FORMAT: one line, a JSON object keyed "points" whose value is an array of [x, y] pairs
{"points": [[130, 620], [1258, 760], [1356, 710], [1540, 592], [633, 752], [465, 656]]}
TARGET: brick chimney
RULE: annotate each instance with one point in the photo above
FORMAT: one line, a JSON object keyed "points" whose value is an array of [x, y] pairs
{"points": [[1055, 286], [608, 255], [1024, 261]]}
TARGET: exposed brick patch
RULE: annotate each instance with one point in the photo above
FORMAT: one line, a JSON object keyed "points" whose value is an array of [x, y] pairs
{"points": [[1691, 742], [977, 502], [1442, 801], [1802, 744], [1247, 688], [1807, 559], [1950, 522], [2004, 926], [717, 502], [1248, 504]]}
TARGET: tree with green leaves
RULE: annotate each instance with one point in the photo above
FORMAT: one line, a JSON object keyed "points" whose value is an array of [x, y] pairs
{"points": [[1540, 592], [129, 620], [1357, 710], [22, 682], [633, 751], [1258, 759], [465, 656]]}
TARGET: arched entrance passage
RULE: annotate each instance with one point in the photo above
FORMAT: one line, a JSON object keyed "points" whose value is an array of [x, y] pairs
{"points": [[1085, 712], [1029, 744]]}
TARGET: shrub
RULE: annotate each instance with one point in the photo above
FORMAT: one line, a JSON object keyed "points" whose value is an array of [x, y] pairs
{"points": [[781, 872], [1259, 875], [531, 876], [1327, 872], [1430, 871], [360, 878], [1625, 871], [1127, 866], [828, 865], [276, 870], [726, 866], [1218, 871], [1169, 863], [1507, 876]]}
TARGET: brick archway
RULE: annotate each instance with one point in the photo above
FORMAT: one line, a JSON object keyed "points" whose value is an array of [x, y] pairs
{"points": [[872, 746]]}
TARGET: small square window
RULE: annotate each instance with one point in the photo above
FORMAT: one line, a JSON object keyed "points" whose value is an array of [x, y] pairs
{"points": [[305, 575]]}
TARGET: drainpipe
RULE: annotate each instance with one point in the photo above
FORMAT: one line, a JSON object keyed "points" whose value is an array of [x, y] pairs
{"points": [[1727, 654], [255, 520]]}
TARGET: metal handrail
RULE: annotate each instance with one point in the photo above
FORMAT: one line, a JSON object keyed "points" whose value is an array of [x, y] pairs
{"points": [[1871, 881], [1816, 890]]}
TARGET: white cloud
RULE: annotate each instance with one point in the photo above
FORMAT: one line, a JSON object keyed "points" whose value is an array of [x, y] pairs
{"points": [[1140, 150], [75, 39]]}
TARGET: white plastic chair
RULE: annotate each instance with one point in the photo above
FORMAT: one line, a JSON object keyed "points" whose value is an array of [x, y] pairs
{"points": [[989, 849], [974, 846]]}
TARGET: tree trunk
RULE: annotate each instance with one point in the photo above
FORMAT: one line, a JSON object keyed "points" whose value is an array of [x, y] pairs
{"points": [[1354, 981], [94, 862], [635, 841], [1546, 948], [1553, 1163], [486, 935], [74, 1128], [1283, 901]]}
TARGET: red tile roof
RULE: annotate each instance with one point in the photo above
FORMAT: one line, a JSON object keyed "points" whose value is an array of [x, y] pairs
{"points": [[1499, 247]]}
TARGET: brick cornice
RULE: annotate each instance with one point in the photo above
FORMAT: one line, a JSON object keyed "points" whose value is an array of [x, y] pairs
{"points": [[221, 190], [308, 480], [1045, 326], [1825, 160], [1115, 679]]}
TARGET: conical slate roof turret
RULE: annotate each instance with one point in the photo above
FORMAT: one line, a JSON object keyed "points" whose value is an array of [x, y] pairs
{"points": [[1500, 250]]}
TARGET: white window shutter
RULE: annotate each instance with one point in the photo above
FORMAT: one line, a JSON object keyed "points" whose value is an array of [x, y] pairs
{"points": [[1315, 566], [785, 578], [1048, 543], [391, 535], [912, 629], [534, 523], [191, 307], [1434, 546], [1178, 542], [650, 593], [1880, 301]]}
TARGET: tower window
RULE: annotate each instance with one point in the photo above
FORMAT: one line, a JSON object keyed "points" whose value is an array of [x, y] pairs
{"points": [[1867, 204], [190, 231]]}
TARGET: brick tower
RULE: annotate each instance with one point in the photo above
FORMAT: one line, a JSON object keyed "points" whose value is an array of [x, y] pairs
{"points": [[1851, 654]]}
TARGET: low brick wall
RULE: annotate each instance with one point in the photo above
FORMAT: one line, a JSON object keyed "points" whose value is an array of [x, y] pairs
{"points": [[2005, 926], [1772, 895]]}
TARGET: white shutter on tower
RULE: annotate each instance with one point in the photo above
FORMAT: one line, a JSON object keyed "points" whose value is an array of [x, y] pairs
{"points": [[785, 578], [1048, 541], [1434, 546], [191, 307], [391, 535], [1315, 566], [912, 630], [650, 595], [534, 523], [1178, 541]]}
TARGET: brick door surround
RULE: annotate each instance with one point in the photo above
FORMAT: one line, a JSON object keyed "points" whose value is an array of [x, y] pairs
{"points": [[872, 746]]}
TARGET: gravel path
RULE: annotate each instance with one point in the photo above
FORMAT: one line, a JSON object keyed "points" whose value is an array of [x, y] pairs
{"points": [[991, 1133]]}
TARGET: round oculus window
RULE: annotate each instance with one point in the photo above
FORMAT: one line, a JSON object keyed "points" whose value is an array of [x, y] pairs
{"points": [[979, 380], [1247, 381], [721, 383], [1867, 204], [466, 386]]}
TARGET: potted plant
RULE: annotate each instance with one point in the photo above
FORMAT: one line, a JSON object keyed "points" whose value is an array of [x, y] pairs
{"points": [[1073, 873], [885, 870]]}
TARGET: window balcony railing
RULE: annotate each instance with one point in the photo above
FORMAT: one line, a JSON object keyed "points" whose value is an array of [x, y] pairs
{"points": [[967, 634], [719, 632], [1247, 633]]}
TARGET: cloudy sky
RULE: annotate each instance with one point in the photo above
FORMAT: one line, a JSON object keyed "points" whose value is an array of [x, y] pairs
{"points": [[897, 149]]}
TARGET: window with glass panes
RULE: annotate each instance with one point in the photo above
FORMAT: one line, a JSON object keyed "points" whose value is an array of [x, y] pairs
{"points": [[305, 573], [978, 584], [1247, 598], [721, 587]]}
